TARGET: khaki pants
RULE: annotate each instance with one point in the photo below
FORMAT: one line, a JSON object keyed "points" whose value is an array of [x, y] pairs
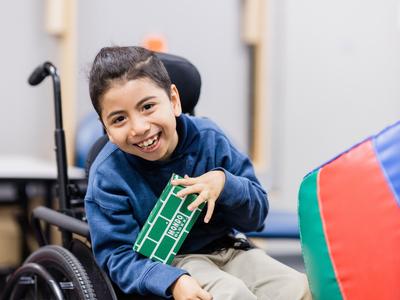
{"points": [[244, 275]]}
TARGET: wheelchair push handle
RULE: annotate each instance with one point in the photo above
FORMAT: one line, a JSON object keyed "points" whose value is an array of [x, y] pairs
{"points": [[36, 77], [40, 73]]}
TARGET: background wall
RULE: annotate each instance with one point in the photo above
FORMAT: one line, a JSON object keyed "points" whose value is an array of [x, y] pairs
{"points": [[334, 81], [333, 72], [26, 115]]}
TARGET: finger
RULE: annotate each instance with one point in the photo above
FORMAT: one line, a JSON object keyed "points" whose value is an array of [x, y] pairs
{"points": [[184, 181], [210, 211], [192, 189], [203, 197], [204, 295]]}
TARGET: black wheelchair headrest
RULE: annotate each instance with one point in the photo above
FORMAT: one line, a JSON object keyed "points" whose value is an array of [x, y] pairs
{"points": [[186, 77]]}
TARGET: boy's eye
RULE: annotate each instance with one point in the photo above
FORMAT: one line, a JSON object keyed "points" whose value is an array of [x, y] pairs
{"points": [[148, 106], [118, 119]]}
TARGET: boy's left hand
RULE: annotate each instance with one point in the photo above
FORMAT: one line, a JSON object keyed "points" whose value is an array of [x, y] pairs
{"points": [[209, 186]]}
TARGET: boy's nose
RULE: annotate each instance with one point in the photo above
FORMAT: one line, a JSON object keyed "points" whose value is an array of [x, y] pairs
{"points": [[139, 127]]}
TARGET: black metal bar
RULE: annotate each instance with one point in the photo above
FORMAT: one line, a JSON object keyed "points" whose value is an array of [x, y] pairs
{"points": [[23, 219], [38, 231], [36, 77], [62, 168], [29, 269], [62, 221]]}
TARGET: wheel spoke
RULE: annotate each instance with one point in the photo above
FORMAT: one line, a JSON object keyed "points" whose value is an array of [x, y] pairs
{"points": [[67, 285], [26, 280]]}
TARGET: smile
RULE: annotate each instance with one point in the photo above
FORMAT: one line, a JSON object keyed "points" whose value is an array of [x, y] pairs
{"points": [[150, 142]]}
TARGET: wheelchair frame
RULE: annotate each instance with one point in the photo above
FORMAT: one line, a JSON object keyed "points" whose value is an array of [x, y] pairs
{"points": [[70, 271]]}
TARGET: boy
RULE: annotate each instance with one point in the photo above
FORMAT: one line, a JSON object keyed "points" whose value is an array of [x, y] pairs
{"points": [[149, 140]]}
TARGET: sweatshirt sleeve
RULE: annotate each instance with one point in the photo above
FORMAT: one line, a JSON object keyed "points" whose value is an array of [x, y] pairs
{"points": [[242, 198], [113, 232]]}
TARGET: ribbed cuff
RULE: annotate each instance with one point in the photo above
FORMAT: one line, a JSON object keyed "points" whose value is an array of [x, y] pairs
{"points": [[159, 279]]}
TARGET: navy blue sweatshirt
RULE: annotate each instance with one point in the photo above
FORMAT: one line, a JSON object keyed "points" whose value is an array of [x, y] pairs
{"points": [[123, 189]]}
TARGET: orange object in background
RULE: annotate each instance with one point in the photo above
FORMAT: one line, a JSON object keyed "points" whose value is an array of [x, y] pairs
{"points": [[155, 43]]}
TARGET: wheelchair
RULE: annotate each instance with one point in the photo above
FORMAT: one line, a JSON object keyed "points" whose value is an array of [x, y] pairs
{"points": [[69, 271]]}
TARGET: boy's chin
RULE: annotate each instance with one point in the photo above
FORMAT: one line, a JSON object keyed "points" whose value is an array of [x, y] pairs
{"points": [[151, 156]]}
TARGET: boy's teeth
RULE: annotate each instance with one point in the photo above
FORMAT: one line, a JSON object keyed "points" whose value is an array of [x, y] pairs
{"points": [[148, 142]]}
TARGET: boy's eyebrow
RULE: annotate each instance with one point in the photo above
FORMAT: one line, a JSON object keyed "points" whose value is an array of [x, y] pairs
{"points": [[113, 113], [144, 100], [116, 112]]}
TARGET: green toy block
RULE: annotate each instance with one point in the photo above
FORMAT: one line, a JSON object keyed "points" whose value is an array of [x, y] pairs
{"points": [[168, 225]]}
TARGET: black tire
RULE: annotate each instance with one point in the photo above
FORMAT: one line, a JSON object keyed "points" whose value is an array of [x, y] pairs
{"points": [[66, 269], [100, 281], [105, 290]]}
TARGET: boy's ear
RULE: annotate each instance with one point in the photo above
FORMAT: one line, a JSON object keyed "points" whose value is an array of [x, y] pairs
{"points": [[175, 101]]}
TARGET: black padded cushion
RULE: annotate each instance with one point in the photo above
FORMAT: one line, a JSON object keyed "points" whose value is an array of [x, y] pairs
{"points": [[186, 77], [94, 151]]}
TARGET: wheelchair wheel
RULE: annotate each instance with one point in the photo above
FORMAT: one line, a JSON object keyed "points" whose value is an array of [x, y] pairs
{"points": [[66, 270], [100, 281], [31, 281], [104, 288]]}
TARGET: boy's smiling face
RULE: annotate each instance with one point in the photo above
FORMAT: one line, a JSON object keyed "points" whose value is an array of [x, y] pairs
{"points": [[139, 118]]}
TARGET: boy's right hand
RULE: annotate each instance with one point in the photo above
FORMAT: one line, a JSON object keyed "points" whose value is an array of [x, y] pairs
{"points": [[187, 288]]}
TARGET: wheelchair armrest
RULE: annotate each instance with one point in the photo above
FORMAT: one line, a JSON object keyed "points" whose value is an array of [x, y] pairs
{"points": [[62, 221]]}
